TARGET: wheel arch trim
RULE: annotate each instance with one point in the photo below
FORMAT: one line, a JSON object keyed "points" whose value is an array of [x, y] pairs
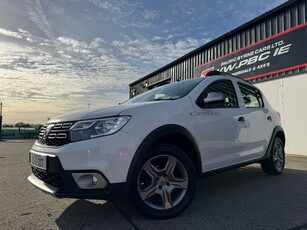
{"points": [[153, 138], [276, 131]]}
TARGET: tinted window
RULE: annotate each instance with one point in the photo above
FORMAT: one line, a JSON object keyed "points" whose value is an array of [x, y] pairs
{"points": [[167, 92], [251, 96], [226, 88]]}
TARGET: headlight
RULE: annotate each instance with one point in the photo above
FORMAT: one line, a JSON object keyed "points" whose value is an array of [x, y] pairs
{"points": [[84, 130]]}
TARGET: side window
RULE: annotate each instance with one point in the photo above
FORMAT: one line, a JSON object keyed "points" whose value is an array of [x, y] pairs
{"points": [[221, 86], [251, 96]]}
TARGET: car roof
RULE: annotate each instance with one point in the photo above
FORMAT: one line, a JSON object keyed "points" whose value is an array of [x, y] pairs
{"points": [[219, 73]]}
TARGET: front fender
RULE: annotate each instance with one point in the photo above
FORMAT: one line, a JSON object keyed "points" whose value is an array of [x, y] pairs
{"points": [[153, 138]]}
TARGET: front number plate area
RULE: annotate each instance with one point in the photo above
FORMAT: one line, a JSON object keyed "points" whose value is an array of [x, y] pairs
{"points": [[38, 161]]}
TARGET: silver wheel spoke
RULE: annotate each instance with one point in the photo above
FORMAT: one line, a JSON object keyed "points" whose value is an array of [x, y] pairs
{"points": [[149, 192], [180, 184], [151, 189], [277, 164], [150, 170], [167, 199], [278, 158], [170, 165]]}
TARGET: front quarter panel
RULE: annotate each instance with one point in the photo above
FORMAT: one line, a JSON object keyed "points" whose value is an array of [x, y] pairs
{"points": [[145, 119]]}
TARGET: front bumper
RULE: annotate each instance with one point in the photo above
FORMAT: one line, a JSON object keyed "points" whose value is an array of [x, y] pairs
{"points": [[61, 183], [109, 155]]}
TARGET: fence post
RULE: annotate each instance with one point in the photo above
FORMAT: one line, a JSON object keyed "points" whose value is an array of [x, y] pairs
{"points": [[0, 120], [0, 127]]}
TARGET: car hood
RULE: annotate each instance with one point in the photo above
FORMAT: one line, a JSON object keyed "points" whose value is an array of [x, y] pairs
{"points": [[96, 113]]}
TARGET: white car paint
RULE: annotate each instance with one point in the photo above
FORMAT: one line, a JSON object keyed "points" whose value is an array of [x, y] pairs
{"points": [[222, 139]]}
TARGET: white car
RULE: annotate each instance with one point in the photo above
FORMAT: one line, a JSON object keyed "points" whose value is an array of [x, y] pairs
{"points": [[155, 146]]}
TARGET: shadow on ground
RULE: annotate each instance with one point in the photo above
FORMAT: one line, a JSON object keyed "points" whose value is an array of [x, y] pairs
{"points": [[83, 214], [244, 198]]}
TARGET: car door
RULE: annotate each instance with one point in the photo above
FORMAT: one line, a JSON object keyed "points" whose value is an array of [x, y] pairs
{"points": [[259, 121], [222, 127]]}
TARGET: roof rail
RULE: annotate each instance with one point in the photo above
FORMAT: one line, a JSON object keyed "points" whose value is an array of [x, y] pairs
{"points": [[216, 72]]}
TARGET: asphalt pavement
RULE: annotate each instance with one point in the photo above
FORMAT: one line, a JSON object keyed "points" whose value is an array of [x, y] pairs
{"points": [[244, 198]]}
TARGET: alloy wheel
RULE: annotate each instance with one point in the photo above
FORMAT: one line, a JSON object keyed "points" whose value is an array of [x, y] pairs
{"points": [[162, 182], [278, 155]]}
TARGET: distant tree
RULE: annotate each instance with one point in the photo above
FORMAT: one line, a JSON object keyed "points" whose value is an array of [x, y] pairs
{"points": [[37, 126], [20, 125], [8, 125]]}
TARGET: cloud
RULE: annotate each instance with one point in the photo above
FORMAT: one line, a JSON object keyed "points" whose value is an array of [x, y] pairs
{"points": [[38, 17], [24, 32], [69, 41], [140, 25], [10, 33], [84, 68], [167, 21], [71, 53], [112, 6], [96, 42], [150, 14], [29, 40]]}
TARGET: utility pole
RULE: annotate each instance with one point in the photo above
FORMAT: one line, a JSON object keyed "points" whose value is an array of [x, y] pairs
{"points": [[89, 105], [0, 120]]}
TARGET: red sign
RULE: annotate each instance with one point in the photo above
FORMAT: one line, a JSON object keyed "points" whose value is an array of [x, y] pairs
{"points": [[282, 52]]}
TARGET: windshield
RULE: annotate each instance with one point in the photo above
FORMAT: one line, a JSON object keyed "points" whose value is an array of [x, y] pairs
{"points": [[167, 92]]}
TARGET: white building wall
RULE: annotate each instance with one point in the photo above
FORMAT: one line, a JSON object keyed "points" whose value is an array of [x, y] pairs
{"points": [[288, 96]]}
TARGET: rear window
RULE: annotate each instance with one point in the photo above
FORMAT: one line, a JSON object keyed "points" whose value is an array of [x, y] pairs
{"points": [[251, 96]]}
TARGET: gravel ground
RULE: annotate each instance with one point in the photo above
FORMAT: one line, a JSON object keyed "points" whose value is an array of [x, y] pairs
{"points": [[244, 198]]}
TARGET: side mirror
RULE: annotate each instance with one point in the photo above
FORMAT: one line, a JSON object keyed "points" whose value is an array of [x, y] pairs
{"points": [[214, 97]]}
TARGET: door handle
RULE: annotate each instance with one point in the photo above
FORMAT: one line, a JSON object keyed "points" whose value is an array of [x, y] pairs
{"points": [[269, 118], [241, 119]]}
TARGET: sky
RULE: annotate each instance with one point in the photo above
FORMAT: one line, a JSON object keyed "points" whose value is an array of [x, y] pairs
{"points": [[58, 56]]}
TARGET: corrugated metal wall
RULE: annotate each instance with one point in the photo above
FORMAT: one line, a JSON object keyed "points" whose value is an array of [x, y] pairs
{"points": [[284, 17]]}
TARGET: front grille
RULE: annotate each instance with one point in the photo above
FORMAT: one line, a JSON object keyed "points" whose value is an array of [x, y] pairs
{"points": [[49, 177], [55, 134]]}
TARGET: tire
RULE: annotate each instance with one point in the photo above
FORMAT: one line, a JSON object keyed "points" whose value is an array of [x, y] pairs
{"points": [[164, 183], [275, 164]]}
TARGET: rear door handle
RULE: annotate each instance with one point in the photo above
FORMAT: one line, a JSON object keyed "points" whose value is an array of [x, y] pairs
{"points": [[241, 119], [269, 118]]}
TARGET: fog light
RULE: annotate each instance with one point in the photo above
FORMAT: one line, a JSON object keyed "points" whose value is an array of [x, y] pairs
{"points": [[90, 180], [95, 180]]}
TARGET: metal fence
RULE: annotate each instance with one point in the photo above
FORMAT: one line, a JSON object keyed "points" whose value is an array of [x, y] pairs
{"points": [[19, 133]]}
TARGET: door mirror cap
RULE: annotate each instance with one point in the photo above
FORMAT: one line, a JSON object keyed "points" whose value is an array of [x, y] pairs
{"points": [[213, 97]]}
